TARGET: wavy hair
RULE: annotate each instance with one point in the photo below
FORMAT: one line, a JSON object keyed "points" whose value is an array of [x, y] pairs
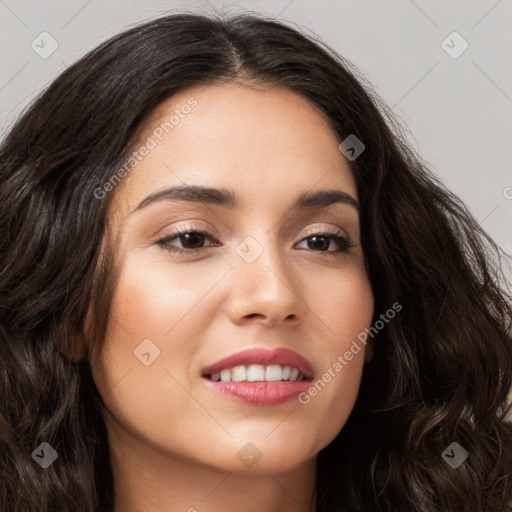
{"points": [[442, 368]]}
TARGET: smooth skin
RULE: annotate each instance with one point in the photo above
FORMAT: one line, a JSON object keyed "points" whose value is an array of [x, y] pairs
{"points": [[174, 441]]}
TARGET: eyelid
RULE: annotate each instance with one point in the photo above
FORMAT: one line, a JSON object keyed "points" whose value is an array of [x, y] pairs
{"points": [[331, 229], [167, 233]]}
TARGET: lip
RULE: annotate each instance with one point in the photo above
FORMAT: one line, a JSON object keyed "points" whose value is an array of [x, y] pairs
{"points": [[261, 393], [263, 356]]}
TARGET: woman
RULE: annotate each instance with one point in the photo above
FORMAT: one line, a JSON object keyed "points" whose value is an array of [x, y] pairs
{"points": [[228, 282]]}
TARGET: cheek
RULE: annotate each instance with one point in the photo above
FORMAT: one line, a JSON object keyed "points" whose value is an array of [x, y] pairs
{"points": [[143, 369], [158, 315], [163, 301], [345, 308], [343, 303]]}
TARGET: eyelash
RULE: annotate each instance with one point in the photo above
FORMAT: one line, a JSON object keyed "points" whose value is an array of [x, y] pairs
{"points": [[343, 241]]}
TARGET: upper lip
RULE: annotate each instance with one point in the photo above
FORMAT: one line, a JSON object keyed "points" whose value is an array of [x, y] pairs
{"points": [[263, 356]]}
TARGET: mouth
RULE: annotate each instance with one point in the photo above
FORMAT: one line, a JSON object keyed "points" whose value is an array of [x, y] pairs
{"points": [[260, 376]]}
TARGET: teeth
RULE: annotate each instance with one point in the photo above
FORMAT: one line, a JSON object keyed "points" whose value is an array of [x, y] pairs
{"points": [[294, 373], [273, 373], [225, 375], [258, 372], [238, 374], [255, 372]]}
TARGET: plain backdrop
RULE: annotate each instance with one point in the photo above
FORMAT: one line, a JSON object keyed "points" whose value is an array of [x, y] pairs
{"points": [[443, 67]]}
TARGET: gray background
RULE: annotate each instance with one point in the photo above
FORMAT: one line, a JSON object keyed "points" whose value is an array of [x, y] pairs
{"points": [[457, 112]]}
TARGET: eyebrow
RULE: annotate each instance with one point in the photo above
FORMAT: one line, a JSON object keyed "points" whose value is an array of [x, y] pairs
{"points": [[227, 198]]}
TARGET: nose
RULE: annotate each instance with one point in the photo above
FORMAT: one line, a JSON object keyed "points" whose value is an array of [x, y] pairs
{"points": [[266, 291]]}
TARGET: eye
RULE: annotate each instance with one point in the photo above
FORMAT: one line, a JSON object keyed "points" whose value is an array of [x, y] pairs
{"points": [[188, 237], [192, 241], [325, 239]]}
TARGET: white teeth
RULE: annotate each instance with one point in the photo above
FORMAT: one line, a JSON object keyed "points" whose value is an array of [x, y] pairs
{"points": [[258, 373], [238, 374], [225, 375], [273, 373], [255, 372]]}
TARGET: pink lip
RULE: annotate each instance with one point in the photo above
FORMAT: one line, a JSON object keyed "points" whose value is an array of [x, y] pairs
{"points": [[261, 393], [282, 356]]}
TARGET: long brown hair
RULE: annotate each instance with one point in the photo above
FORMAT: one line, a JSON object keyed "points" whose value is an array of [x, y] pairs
{"points": [[441, 370]]}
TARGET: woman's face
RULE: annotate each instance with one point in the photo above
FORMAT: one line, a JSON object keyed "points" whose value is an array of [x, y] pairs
{"points": [[259, 279]]}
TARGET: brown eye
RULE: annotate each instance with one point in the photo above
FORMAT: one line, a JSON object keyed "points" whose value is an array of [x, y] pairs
{"points": [[191, 240], [320, 242]]}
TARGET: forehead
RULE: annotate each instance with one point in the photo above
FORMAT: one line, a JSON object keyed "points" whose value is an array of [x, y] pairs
{"points": [[264, 143]]}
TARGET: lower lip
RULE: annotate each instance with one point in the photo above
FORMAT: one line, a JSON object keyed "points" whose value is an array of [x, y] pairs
{"points": [[260, 393]]}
